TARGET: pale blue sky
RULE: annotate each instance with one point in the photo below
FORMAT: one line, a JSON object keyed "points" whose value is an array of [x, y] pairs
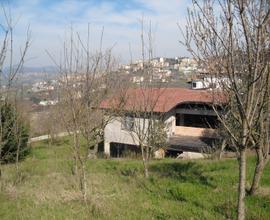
{"points": [[50, 19]]}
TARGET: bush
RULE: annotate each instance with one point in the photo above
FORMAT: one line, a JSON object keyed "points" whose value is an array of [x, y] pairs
{"points": [[14, 134]]}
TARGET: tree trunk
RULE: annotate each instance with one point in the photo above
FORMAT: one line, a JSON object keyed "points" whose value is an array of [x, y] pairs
{"points": [[242, 185], [223, 145], [260, 164], [146, 171], [262, 152], [145, 162], [92, 154], [17, 156], [75, 153], [83, 183]]}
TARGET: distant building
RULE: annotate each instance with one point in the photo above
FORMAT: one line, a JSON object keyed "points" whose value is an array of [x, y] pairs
{"points": [[137, 79], [48, 102], [43, 86], [208, 82], [188, 66], [162, 69]]}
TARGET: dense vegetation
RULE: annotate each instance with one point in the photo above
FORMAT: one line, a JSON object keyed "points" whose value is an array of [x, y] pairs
{"points": [[14, 134], [202, 189]]}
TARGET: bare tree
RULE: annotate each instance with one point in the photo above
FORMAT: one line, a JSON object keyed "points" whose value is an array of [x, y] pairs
{"points": [[145, 122], [147, 127], [261, 134], [85, 80], [231, 39]]}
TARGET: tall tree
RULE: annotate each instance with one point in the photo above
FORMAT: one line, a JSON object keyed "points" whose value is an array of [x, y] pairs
{"points": [[137, 106], [85, 80], [231, 38], [148, 128]]}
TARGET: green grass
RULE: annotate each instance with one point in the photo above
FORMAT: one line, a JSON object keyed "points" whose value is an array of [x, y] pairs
{"points": [[202, 189]]}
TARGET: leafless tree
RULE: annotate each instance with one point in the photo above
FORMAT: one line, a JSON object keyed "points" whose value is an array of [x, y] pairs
{"points": [[86, 78], [261, 136], [231, 39], [147, 127]]}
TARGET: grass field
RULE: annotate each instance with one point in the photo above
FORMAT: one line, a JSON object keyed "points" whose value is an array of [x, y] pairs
{"points": [[204, 189]]}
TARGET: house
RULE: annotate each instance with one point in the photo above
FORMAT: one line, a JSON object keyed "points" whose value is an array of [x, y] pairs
{"points": [[190, 122]]}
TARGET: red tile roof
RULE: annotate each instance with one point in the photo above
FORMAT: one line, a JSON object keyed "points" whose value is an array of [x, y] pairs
{"points": [[159, 99]]}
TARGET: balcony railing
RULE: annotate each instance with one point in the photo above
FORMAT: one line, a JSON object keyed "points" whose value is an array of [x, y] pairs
{"points": [[195, 132]]}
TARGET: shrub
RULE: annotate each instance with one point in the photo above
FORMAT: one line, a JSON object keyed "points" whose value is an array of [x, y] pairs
{"points": [[14, 134]]}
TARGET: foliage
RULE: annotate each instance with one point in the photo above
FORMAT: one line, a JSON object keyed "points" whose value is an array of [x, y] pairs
{"points": [[14, 134]]}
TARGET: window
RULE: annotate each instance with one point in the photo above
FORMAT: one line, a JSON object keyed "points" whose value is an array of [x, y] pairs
{"points": [[195, 106], [194, 85], [199, 121], [128, 123]]}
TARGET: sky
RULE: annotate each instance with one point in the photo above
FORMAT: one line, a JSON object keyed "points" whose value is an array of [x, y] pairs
{"points": [[50, 21]]}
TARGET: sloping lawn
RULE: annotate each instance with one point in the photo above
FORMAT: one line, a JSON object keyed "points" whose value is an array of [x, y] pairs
{"points": [[202, 189]]}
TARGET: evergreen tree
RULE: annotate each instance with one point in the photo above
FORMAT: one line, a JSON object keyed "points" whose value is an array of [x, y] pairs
{"points": [[14, 134]]}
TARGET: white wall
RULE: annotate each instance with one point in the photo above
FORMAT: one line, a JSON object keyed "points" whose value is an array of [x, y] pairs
{"points": [[113, 131]]}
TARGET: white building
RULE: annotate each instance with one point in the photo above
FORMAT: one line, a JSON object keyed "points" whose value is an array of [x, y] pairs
{"points": [[210, 83], [189, 120]]}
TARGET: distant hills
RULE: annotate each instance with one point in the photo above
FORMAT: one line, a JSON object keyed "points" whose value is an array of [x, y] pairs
{"points": [[44, 69], [30, 75], [28, 69]]}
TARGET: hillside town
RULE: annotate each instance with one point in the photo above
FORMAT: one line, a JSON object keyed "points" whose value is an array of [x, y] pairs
{"points": [[175, 72]]}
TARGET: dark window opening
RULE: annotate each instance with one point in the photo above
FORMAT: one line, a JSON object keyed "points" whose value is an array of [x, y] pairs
{"points": [[199, 121], [195, 106], [119, 150], [199, 106]]}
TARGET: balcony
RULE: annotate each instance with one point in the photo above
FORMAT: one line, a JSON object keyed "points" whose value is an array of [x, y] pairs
{"points": [[195, 132]]}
